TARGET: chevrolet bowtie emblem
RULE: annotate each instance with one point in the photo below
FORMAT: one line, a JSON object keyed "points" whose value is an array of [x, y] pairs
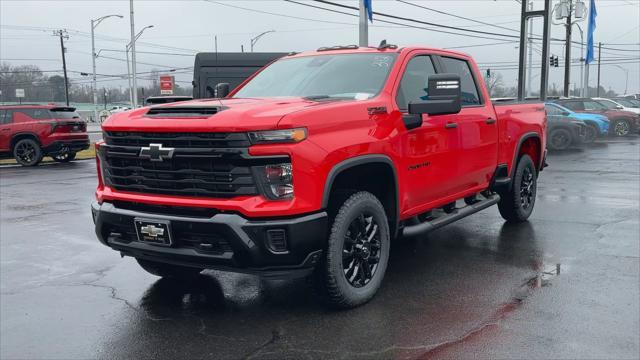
{"points": [[155, 152], [152, 231]]}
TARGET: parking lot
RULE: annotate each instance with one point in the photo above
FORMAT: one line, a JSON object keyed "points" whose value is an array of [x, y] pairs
{"points": [[563, 285]]}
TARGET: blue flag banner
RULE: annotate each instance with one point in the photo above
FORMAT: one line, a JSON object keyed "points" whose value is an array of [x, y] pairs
{"points": [[369, 9], [592, 27]]}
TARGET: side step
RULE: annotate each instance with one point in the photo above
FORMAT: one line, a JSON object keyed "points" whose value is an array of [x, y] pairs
{"points": [[413, 230]]}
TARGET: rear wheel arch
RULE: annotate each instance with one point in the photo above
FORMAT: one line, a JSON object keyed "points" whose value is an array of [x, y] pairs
{"points": [[529, 144], [356, 174], [24, 135]]}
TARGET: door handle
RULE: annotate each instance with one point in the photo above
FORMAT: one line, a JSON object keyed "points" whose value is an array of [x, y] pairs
{"points": [[490, 121], [451, 125]]}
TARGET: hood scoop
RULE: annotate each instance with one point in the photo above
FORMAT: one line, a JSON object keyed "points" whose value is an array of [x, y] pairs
{"points": [[183, 111]]}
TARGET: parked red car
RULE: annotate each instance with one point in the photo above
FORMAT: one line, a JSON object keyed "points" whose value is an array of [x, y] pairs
{"points": [[30, 132], [318, 161], [621, 123]]}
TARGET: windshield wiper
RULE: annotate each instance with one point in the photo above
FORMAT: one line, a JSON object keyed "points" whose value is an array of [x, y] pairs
{"points": [[316, 97]]}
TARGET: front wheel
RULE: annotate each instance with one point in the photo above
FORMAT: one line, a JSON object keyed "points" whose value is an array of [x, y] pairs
{"points": [[357, 253], [516, 204], [168, 270], [621, 127], [559, 139]]}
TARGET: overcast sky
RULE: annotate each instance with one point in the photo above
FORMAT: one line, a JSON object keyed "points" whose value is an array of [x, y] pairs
{"points": [[182, 28]]}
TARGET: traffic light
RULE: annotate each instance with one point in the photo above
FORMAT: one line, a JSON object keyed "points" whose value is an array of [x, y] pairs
{"points": [[553, 61]]}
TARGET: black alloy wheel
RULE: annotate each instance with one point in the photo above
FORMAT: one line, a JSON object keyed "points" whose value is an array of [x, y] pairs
{"points": [[361, 250], [27, 152], [527, 193]]}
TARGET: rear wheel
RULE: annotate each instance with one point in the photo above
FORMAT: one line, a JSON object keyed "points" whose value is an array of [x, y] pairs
{"points": [[168, 270], [516, 204], [27, 152], [64, 156], [357, 253], [621, 127], [559, 139]]}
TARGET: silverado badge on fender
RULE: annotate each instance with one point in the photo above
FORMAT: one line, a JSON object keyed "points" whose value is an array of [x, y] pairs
{"points": [[155, 152]]}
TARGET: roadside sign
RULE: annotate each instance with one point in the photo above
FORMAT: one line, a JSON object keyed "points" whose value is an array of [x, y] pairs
{"points": [[19, 93], [166, 84]]}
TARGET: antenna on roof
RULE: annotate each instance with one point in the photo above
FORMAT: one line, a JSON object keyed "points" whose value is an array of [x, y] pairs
{"points": [[384, 45]]}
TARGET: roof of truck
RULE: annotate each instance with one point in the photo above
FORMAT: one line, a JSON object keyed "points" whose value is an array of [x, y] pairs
{"points": [[370, 49]]}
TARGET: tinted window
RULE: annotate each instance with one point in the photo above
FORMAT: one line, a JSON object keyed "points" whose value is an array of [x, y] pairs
{"points": [[552, 110], [574, 105], [594, 105], [35, 113], [355, 76], [415, 81], [64, 115], [467, 82]]}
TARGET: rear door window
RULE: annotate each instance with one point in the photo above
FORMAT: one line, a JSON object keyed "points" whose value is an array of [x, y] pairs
{"points": [[415, 81], [65, 114], [574, 105], [468, 84]]}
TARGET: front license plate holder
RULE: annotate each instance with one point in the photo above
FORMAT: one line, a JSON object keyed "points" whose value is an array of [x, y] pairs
{"points": [[153, 231]]}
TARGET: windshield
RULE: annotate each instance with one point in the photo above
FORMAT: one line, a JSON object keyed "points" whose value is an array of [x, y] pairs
{"points": [[608, 104], [629, 103], [352, 76]]}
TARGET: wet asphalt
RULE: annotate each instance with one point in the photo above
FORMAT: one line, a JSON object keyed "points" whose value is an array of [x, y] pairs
{"points": [[563, 285]]}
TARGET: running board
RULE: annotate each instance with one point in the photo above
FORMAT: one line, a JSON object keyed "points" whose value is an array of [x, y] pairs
{"points": [[446, 219]]}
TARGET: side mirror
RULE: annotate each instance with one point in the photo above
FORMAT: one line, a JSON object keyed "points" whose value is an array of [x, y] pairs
{"points": [[222, 90], [619, 107], [566, 113], [444, 98]]}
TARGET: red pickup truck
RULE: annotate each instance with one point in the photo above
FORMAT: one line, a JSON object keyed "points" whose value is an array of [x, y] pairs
{"points": [[316, 162]]}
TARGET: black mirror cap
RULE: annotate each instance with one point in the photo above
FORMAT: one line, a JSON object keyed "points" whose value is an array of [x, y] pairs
{"points": [[222, 90], [444, 96]]}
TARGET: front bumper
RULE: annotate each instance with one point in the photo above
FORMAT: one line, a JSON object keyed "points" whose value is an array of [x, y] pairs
{"points": [[222, 241]]}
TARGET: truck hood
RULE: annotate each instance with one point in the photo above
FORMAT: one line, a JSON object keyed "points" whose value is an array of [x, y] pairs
{"points": [[233, 115]]}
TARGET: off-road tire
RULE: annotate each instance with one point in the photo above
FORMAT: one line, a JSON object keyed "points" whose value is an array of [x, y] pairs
{"points": [[331, 278], [559, 139], [169, 270], [27, 152], [513, 207]]}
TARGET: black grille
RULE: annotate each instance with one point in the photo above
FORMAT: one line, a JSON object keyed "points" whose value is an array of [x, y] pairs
{"points": [[202, 164], [176, 140]]}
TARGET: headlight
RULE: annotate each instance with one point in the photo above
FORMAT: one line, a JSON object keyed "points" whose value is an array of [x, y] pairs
{"points": [[276, 181], [278, 136]]}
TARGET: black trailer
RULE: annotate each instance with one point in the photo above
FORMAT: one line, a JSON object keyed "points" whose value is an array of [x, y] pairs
{"points": [[211, 69]]}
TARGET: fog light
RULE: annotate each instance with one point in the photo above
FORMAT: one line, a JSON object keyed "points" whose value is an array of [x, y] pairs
{"points": [[277, 240]]}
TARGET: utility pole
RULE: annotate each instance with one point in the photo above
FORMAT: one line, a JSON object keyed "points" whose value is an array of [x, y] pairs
{"points": [[129, 77], [133, 56], [363, 26], [567, 54], [530, 50], [94, 88], [522, 63], [63, 35], [599, 57]]}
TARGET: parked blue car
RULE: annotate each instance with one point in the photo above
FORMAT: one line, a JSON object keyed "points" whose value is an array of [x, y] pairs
{"points": [[597, 125]]}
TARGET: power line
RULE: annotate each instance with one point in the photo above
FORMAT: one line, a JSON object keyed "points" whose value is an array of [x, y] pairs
{"points": [[457, 16]]}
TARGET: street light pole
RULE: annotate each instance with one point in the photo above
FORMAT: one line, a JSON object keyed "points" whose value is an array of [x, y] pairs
{"points": [[94, 88], [582, 60], [133, 89], [626, 77], [133, 56], [254, 40]]}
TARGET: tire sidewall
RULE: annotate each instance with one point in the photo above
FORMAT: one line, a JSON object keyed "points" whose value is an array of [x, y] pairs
{"points": [[38, 152], [565, 145], [620, 121], [525, 161], [336, 242]]}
